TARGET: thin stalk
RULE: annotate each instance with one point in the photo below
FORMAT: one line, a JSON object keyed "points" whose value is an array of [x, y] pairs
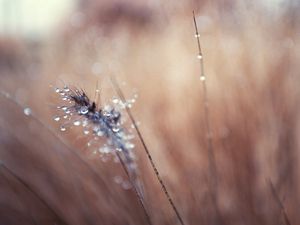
{"points": [[210, 150], [158, 176], [14, 189], [279, 203], [27, 186], [138, 194], [35, 118], [139, 197]]}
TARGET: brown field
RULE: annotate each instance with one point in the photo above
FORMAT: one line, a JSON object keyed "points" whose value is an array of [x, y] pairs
{"points": [[251, 62]]}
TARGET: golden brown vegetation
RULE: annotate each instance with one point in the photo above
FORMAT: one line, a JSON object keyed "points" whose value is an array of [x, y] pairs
{"points": [[251, 57]]}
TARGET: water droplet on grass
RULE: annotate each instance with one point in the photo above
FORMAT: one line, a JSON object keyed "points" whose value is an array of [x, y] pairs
{"points": [[129, 145], [115, 100], [56, 118], [100, 133], [202, 78], [63, 128], [27, 111], [126, 185], [118, 179], [199, 56], [77, 122], [66, 89], [84, 110], [115, 129]]}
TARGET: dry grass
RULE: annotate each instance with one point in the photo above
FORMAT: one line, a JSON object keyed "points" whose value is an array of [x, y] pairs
{"points": [[251, 63]]}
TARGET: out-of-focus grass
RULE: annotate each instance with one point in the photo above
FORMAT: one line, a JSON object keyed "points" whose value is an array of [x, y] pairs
{"points": [[251, 59]]}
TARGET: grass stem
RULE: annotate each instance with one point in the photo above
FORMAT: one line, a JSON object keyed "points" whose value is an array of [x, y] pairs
{"points": [[158, 176]]}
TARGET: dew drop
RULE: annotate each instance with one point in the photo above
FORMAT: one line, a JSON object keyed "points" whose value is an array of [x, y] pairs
{"points": [[64, 108], [129, 137], [66, 89], [107, 114], [115, 129], [77, 122], [119, 149], [199, 56], [137, 123], [86, 132], [129, 145], [197, 35], [57, 90], [84, 110], [27, 111], [62, 128], [115, 100], [126, 185], [56, 118], [105, 149], [118, 179], [100, 133], [202, 78]]}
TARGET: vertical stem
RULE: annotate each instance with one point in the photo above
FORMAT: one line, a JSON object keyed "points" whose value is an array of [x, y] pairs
{"points": [[6, 95], [164, 188], [210, 150], [137, 192], [279, 203], [32, 191]]}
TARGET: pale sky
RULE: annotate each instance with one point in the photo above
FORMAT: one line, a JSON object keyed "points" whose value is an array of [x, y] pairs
{"points": [[32, 17], [37, 18]]}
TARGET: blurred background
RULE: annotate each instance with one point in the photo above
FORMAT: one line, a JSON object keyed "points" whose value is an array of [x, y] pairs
{"points": [[251, 57]]}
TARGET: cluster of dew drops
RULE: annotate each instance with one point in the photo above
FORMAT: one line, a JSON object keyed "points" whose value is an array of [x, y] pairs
{"points": [[116, 138]]}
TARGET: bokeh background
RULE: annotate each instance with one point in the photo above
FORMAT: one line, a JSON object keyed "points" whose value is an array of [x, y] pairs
{"points": [[251, 58]]}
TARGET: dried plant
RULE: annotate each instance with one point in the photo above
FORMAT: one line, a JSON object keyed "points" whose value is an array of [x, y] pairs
{"points": [[214, 158], [161, 182], [213, 182], [102, 121]]}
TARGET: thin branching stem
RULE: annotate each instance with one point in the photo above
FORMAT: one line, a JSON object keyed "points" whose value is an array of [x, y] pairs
{"points": [[279, 203], [14, 189], [137, 192], [158, 176], [139, 197], [35, 118], [27, 186], [211, 156]]}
